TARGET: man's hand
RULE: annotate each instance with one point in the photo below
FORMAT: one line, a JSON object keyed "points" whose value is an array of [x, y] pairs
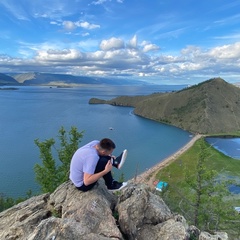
{"points": [[91, 178], [108, 166]]}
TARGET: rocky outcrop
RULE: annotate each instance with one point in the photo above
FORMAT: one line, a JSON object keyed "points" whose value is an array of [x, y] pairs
{"points": [[133, 213]]}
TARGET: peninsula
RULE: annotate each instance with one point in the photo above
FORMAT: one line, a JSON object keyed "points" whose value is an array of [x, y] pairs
{"points": [[210, 107]]}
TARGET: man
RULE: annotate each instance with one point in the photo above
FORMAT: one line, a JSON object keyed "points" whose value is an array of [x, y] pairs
{"points": [[93, 161]]}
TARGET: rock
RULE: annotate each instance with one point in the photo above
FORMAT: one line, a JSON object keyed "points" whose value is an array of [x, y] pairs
{"points": [[69, 214], [143, 215], [216, 236], [66, 229], [80, 214], [20, 220]]}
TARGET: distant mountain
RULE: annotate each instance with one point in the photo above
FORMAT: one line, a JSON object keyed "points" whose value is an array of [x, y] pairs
{"points": [[67, 79], [23, 77], [210, 107], [7, 80]]}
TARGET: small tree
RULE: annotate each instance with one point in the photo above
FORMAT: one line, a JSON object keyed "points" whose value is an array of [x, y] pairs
{"points": [[207, 194], [52, 173], [7, 202]]}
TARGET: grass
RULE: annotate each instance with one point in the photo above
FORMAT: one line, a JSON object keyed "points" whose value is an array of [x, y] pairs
{"points": [[174, 174]]}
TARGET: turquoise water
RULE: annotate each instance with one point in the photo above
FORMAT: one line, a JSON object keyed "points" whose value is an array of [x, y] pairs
{"points": [[39, 112]]}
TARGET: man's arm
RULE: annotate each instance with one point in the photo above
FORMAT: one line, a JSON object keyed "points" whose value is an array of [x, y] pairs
{"points": [[91, 178]]}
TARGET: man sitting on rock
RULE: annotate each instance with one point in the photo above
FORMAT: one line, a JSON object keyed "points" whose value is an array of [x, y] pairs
{"points": [[93, 161]]}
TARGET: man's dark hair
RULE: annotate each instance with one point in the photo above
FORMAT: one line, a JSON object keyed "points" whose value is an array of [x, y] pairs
{"points": [[107, 144]]}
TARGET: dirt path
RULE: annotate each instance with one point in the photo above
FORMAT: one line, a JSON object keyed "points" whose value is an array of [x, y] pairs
{"points": [[148, 176]]}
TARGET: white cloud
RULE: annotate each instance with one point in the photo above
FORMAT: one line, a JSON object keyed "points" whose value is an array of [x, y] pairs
{"points": [[54, 23], [85, 34], [232, 37], [150, 47], [231, 51], [87, 25], [114, 59], [133, 42], [69, 25], [112, 43], [98, 2], [58, 55]]}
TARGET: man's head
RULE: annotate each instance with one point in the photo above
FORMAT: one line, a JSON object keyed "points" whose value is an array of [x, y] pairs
{"points": [[106, 147]]}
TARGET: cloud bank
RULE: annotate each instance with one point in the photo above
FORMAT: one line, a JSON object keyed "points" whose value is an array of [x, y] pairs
{"points": [[118, 58]]}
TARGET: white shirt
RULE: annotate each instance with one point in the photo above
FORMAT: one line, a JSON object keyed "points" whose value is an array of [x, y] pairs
{"points": [[84, 160]]}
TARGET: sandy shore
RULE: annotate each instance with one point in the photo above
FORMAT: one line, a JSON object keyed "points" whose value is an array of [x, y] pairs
{"points": [[148, 176]]}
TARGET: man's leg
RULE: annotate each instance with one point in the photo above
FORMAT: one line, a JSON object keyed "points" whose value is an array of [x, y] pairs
{"points": [[101, 166], [85, 188]]}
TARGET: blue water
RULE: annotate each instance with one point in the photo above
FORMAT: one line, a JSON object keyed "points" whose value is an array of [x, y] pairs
{"points": [[39, 112], [228, 146], [235, 189]]}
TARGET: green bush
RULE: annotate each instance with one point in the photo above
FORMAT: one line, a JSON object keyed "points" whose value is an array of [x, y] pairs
{"points": [[7, 202], [52, 173]]}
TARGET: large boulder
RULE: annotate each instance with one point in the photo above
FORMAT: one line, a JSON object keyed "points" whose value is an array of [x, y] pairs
{"points": [[69, 214], [20, 221], [65, 214], [144, 215]]}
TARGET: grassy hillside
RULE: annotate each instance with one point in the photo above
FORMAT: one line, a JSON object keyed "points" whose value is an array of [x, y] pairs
{"points": [[179, 193], [210, 107]]}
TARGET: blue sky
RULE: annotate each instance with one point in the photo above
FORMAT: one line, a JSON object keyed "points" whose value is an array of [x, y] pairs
{"points": [[158, 41]]}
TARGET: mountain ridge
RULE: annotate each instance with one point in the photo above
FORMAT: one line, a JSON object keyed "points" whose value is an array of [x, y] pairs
{"points": [[210, 107], [7, 80], [52, 79]]}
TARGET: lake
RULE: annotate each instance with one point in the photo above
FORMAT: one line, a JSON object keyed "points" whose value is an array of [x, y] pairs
{"points": [[38, 112], [231, 148], [228, 146]]}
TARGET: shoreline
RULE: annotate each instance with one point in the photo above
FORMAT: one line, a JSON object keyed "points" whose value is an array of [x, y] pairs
{"points": [[148, 176]]}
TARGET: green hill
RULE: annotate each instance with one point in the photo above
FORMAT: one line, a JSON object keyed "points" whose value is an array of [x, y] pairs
{"points": [[210, 107]]}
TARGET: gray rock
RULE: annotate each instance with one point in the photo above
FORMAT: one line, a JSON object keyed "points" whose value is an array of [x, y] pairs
{"points": [[69, 214], [216, 236], [20, 220], [144, 215], [81, 214]]}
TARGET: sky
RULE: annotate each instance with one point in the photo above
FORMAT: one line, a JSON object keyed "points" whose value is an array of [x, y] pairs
{"points": [[157, 41]]}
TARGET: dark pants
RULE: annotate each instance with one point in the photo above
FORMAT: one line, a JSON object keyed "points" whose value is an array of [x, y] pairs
{"points": [[99, 168]]}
